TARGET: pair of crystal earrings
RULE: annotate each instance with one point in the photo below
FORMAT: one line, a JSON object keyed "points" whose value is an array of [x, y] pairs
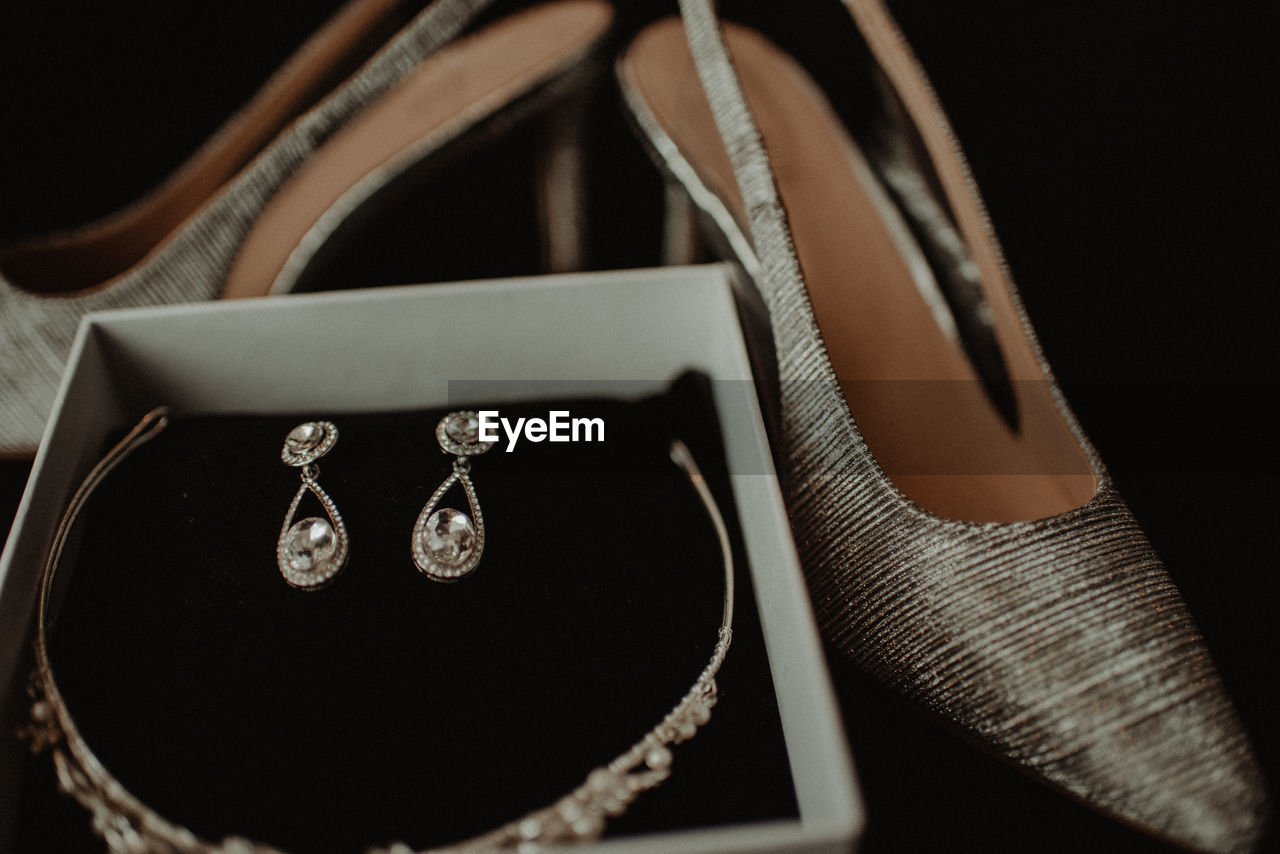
{"points": [[446, 544]]}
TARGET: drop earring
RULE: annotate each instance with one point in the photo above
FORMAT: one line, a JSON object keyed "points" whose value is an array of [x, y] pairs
{"points": [[311, 552], [446, 543]]}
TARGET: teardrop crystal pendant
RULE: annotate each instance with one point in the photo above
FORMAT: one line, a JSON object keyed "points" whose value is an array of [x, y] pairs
{"points": [[312, 551], [447, 543]]}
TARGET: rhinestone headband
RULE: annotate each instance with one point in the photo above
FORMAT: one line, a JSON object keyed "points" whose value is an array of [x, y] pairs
{"points": [[128, 825]]}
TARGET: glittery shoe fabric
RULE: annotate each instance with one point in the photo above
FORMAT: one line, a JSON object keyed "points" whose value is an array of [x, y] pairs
{"points": [[1061, 643], [36, 331]]}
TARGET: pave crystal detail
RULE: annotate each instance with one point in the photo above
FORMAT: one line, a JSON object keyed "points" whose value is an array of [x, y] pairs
{"points": [[608, 790], [447, 543], [127, 824], [308, 442], [312, 551], [459, 433]]}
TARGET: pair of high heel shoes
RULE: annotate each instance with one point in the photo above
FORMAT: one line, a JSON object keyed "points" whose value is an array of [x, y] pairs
{"points": [[962, 540]]}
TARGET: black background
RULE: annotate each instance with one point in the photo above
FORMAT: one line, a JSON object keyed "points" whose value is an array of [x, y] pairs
{"points": [[404, 708], [1123, 151]]}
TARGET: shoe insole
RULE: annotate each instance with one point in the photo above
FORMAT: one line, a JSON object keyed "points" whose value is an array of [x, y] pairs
{"points": [[448, 94], [909, 385], [93, 254]]}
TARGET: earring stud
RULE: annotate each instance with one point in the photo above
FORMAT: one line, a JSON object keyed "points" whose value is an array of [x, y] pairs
{"points": [[312, 551], [447, 543]]}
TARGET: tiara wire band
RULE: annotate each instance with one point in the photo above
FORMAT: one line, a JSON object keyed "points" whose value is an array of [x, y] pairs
{"points": [[128, 825]]}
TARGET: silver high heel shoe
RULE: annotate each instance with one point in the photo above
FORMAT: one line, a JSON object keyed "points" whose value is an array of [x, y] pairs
{"points": [[248, 211], [962, 540]]}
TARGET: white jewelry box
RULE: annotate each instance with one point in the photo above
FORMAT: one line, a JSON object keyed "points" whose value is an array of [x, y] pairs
{"points": [[621, 333]]}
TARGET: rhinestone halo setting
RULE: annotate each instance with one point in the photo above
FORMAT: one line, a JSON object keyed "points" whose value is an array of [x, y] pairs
{"points": [[308, 442], [310, 552], [447, 543]]}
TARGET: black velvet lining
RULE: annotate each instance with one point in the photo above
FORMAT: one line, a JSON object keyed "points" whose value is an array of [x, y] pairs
{"points": [[388, 706]]}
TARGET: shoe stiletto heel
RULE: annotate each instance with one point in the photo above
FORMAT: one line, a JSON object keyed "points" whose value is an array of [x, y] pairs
{"points": [[962, 540], [252, 209], [681, 243], [562, 184]]}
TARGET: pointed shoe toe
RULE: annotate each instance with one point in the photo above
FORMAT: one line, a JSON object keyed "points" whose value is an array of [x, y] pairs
{"points": [[1063, 646]]}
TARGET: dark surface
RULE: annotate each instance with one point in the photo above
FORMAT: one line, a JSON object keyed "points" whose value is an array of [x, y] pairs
{"points": [[1122, 153], [388, 706], [101, 103]]}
